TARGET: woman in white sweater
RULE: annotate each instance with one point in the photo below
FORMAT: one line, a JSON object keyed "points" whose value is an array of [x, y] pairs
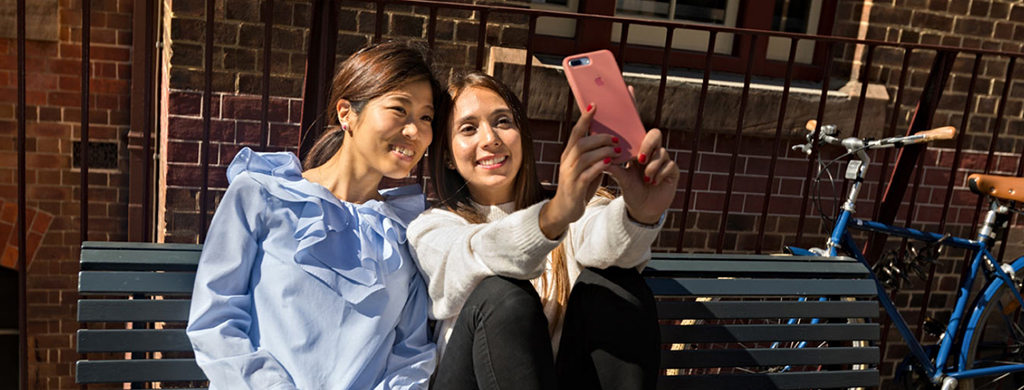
{"points": [[501, 255]]}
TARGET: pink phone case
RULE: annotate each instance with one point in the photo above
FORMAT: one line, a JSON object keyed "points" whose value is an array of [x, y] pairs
{"points": [[596, 78]]}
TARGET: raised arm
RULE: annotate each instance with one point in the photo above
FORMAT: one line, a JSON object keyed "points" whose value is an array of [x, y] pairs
{"points": [[455, 255], [220, 314]]}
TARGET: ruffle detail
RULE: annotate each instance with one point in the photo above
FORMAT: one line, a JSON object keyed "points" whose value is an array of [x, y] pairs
{"points": [[351, 248]]}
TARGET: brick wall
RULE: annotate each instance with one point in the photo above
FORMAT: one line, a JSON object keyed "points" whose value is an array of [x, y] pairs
{"points": [[238, 67], [53, 126]]}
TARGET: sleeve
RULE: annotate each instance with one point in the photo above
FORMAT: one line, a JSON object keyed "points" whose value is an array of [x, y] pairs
{"points": [[455, 255], [606, 237], [412, 358], [220, 314]]}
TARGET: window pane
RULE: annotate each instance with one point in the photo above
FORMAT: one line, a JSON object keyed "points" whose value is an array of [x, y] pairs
{"points": [[703, 11], [791, 15], [650, 8], [552, 2]]}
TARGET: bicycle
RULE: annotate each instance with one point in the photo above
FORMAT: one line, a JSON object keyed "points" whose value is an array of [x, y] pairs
{"points": [[982, 339]]}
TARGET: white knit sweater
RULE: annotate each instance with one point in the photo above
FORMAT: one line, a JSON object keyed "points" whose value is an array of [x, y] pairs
{"points": [[455, 255]]}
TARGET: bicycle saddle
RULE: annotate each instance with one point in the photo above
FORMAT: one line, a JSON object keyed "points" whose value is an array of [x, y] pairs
{"points": [[1002, 187]]}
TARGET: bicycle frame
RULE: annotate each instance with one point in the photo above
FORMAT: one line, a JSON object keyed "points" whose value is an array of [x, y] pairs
{"points": [[841, 238]]}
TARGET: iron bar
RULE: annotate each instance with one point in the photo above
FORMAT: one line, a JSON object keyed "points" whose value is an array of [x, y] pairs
{"points": [[432, 28], [268, 29], [147, 136], [737, 139], [814, 149], [83, 152], [696, 138], [1000, 112], [778, 142], [623, 40], [378, 27], [528, 66], [664, 77], [481, 40], [207, 114], [863, 90], [22, 205]]}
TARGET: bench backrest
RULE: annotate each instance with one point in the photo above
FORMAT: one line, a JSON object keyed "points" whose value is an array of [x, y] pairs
{"points": [[744, 317], [723, 318], [143, 290]]}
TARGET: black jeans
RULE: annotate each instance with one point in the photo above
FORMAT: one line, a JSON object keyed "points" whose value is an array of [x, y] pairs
{"points": [[610, 337]]}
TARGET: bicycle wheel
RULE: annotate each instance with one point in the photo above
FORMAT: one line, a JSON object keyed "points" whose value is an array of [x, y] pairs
{"points": [[997, 338]]}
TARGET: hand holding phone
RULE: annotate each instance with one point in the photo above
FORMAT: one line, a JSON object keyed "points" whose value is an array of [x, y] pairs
{"points": [[595, 78]]}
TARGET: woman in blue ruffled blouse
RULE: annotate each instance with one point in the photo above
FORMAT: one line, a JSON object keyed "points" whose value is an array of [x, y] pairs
{"points": [[305, 280]]}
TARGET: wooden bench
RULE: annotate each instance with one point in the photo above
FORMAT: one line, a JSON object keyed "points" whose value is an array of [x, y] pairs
{"points": [[721, 314]]}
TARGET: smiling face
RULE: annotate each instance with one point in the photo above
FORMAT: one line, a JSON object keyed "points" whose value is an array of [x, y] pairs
{"points": [[392, 131], [486, 147]]}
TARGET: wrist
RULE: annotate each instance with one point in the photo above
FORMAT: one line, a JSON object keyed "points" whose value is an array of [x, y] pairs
{"points": [[550, 221], [644, 218]]}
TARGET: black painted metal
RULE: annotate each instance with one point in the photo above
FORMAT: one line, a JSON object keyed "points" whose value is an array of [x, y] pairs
{"points": [[319, 69], [83, 229], [737, 141], [22, 225], [691, 172], [268, 28], [769, 185], [814, 150], [204, 148]]}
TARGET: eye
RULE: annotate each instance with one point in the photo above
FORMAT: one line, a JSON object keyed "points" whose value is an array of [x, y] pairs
{"points": [[427, 118], [504, 122], [398, 109], [467, 129]]}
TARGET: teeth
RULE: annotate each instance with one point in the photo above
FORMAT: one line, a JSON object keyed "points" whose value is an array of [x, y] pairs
{"points": [[494, 160], [402, 150]]}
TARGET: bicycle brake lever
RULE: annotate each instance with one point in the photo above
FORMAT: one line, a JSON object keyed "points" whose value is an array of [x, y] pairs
{"points": [[804, 148]]}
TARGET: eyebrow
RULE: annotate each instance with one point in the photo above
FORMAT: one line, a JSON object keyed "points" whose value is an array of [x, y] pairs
{"points": [[405, 99], [468, 118]]}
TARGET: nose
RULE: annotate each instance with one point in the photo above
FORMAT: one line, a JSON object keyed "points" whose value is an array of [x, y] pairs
{"points": [[489, 137], [411, 131]]}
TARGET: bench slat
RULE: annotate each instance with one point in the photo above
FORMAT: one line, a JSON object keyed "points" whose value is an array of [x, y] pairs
{"points": [[760, 269], [777, 380], [140, 245], [102, 282], [139, 260], [762, 309], [760, 357], [136, 310], [115, 371], [133, 340], [762, 287], [730, 257], [767, 333]]}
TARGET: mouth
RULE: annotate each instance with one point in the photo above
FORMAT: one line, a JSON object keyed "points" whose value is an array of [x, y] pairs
{"points": [[402, 152], [492, 162]]}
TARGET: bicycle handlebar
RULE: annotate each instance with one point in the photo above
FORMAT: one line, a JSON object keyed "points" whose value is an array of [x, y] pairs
{"points": [[827, 135]]}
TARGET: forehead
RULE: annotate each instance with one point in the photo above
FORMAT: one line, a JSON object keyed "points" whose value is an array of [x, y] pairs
{"points": [[419, 92], [478, 99]]}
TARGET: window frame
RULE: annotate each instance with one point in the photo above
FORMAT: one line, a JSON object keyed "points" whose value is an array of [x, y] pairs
{"points": [[753, 14]]}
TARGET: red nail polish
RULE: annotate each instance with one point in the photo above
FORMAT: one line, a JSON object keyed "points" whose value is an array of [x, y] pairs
{"points": [[642, 158], [615, 140], [589, 106], [607, 160], [618, 149], [647, 179]]}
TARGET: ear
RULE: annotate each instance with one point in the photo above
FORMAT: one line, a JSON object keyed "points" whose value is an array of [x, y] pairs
{"points": [[345, 113]]}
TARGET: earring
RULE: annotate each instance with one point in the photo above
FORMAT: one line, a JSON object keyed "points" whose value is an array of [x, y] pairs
{"points": [[344, 126], [448, 164]]}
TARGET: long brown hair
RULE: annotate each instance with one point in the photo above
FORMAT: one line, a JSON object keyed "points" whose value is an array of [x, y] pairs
{"points": [[369, 73], [453, 195]]}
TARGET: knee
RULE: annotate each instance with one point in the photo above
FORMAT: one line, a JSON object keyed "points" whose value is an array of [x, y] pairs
{"points": [[625, 284], [500, 298]]}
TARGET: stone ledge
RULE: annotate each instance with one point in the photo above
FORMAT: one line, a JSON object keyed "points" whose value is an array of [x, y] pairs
{"points": [[549, 94]]}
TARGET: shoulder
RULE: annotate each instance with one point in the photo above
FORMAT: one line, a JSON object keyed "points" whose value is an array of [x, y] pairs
{"points": [[434, 217]]}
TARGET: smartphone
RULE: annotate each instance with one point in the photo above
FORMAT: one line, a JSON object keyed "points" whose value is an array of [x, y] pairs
{"points": [[595, 78]]}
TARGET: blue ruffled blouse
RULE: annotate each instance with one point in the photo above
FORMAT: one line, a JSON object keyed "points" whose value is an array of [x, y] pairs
{"points": [[297, 289]]}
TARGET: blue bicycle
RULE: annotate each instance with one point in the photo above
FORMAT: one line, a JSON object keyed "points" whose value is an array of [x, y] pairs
{"points": [[982, 345]]}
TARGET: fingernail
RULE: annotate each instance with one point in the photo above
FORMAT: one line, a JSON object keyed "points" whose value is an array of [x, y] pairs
{"points": [[647, 179], [607, 160], [642, 157], [615, 140], [618, 150], [589, 106]]}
